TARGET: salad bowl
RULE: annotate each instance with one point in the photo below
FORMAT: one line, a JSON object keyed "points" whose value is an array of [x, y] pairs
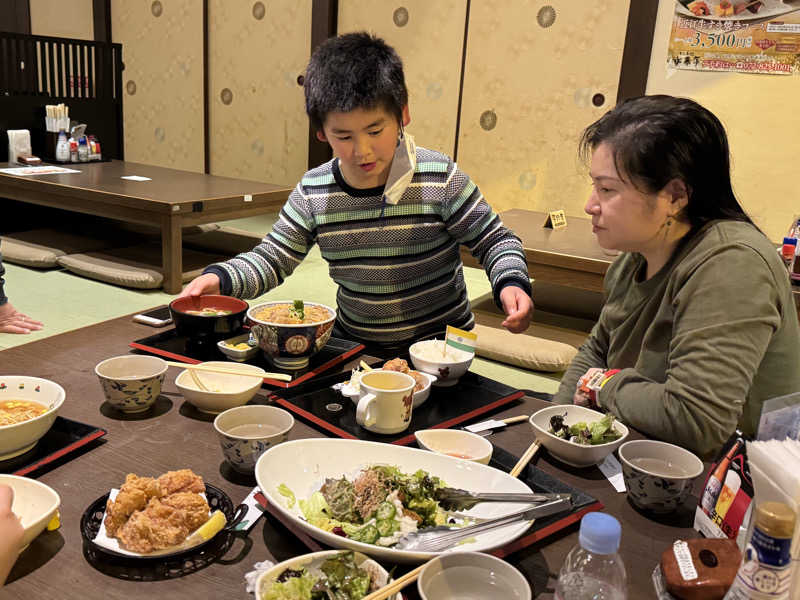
{"points": [[572, 453], [291, 474]]}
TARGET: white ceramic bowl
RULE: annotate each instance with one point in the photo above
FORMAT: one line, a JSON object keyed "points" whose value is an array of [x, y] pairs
{"points": [[471, 576], [303, 466], [658, 476], [456, 442], [577, 455], [242, 449], [131, 383], [311, 562], [224, 391], [419, 397], [236, 354], [20, 437], [34, 503], [448, 370]]}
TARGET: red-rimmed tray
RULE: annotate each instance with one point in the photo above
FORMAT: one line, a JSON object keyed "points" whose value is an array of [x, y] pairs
{"points": [[536, 479], [471, 397], [170, 345], [62, 439]]}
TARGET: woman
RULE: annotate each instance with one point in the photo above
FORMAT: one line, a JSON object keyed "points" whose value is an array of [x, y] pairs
{"points": [[699, 326]]}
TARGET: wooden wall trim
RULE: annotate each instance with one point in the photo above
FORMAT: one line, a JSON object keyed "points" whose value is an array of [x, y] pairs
{"points": [[101, 15], [638, 46], [206, 94], [324, 24], [461, 81]]}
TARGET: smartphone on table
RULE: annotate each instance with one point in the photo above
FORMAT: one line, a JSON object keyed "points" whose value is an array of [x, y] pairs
{"points": [[158, 317]]}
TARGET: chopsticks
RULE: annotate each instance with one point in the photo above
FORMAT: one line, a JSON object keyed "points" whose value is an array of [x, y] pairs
{"points": [[393, 587], [207, 369], [525, 458]]}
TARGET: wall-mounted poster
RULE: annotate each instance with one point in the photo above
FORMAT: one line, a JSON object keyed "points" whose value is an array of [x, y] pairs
{"points": [[748, 36]]}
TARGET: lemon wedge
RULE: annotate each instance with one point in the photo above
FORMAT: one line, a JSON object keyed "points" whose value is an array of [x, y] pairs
{"points": [[208, 529], [55, 522]]}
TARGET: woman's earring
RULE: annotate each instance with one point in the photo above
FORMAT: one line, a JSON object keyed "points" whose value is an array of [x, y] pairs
{"points": [[668, 223]]}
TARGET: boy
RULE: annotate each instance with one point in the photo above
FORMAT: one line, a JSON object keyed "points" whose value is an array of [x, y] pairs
{"points": [[388, 217]]}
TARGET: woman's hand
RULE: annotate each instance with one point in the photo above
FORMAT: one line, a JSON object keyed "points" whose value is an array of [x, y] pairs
{"points": [[200, 286], [582, 396], [11, 533], [518, 306], [13, 321]]}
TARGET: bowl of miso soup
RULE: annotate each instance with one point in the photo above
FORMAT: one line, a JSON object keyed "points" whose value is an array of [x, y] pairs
{"points": [[28, 407], [212, 317]]}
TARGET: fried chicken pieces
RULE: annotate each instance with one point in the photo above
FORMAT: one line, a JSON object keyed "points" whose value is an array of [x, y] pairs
{"points": [[152, 514], [398, 364]]}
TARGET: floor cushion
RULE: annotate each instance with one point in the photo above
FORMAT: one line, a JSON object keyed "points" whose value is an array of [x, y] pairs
{"points": [[41, 248], [134, 266]]}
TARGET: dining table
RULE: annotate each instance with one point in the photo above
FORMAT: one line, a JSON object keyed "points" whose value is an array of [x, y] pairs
{"points": [[174, 435], [170, 199]]}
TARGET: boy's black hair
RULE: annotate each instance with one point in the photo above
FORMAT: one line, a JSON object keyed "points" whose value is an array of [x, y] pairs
{"points": [[354, 70]]}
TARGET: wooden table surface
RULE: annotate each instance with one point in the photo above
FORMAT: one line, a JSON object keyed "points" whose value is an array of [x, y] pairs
{"points": [[172, 199], [174, 435], [569, 256]]}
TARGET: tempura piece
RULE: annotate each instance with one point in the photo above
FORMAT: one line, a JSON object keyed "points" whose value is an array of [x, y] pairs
{"points": [[398, 364], [134, 495], [184, 480]]}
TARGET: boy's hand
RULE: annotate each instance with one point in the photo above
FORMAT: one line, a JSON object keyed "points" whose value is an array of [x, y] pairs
{"points": [[11, 532], [518, 307], [200, 286], [12, 321]]}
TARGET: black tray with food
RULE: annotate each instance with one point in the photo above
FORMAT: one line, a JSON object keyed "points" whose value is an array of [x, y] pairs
{"points": [[160, 566], [325, 407], [64, 438], [172, 346]]}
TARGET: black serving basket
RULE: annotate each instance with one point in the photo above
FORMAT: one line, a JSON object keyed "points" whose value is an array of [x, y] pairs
{"points": [[162, 566]]}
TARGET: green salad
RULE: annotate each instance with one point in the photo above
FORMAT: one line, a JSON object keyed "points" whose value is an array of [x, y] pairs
{"points": [[379, 506], [586, 434], [338, 578]]}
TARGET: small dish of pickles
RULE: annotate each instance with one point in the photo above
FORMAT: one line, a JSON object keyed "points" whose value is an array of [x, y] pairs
{"points": [[237, 348]]}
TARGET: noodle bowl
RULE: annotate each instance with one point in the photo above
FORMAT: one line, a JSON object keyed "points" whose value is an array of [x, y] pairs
{"points": [[18, 395]]}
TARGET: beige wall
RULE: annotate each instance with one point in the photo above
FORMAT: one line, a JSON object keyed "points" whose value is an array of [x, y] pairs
{"points": [[761, 115], [257, 120], [535, 82], [63, 18], [162, 48], [428, 36]]}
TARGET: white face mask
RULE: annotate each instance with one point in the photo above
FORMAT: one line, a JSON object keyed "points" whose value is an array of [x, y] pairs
{"points": [[404, 163]]}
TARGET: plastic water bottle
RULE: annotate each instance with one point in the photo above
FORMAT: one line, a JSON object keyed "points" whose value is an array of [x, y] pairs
{"points": [[593, 569]]}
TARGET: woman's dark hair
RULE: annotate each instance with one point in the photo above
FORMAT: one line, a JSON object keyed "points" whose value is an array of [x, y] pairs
{"points": [[656, 139], [354, 70]]}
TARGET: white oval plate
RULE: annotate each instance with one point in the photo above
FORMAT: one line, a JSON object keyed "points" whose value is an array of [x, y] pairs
{"points": [[303, 466]]}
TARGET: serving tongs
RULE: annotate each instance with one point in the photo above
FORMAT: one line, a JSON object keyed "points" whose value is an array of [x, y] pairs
{"points": [[441, 538], [455, 499]]}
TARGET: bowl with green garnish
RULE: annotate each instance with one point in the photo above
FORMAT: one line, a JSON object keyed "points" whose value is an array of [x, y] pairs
{"points": [[577, 435], [291, 332]]}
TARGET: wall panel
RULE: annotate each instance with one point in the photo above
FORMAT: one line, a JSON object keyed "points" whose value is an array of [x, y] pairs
{"points": [[162, 48], [428, 36], [532, 71], [52, 17], [257, 122]]}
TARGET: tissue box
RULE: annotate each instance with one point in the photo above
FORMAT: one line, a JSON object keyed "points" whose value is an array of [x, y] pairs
{"points": [[19, 143]]}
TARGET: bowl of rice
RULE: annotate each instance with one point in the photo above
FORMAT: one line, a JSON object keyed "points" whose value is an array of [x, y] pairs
{"points": [[448, 364]]}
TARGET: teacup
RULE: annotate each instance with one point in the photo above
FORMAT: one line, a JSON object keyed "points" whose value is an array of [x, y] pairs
{"points": [[246, 432], [658, 476], [132, 382], [385, 401]]}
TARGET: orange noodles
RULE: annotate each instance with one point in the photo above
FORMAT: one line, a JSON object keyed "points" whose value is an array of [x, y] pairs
{"points": [[17, 411], [287, 314]]}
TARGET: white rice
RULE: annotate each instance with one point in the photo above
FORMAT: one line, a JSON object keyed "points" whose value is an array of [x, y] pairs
{"points": [[431, 350]]}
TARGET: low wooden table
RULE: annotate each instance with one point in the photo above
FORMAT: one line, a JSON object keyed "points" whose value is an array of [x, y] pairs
{"points": [[171, 200], [569, 257], [174, 436]]}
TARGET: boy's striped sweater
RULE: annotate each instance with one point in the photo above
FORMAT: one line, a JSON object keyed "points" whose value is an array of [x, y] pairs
{"points": [[397, 266]]}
